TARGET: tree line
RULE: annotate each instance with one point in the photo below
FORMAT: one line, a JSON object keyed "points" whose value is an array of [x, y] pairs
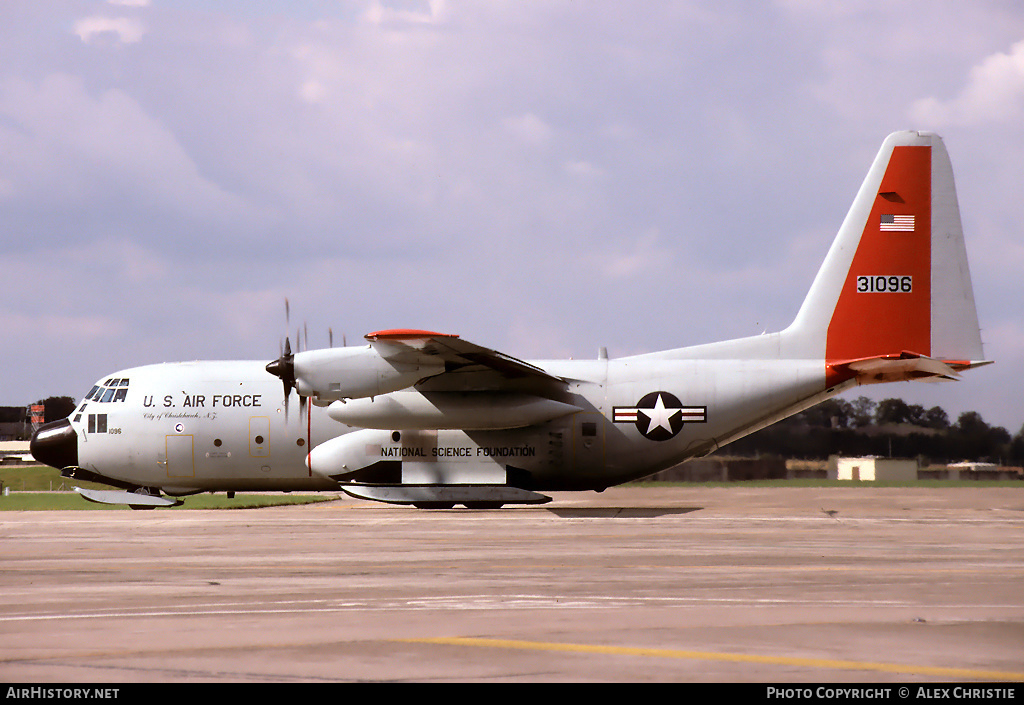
{"points": [[16, 420], [888, 428]]}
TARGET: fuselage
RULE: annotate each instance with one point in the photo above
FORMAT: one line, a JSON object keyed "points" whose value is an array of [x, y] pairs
{"points": [[224, 426]]}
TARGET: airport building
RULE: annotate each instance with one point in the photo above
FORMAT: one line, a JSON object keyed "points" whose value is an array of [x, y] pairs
{"points": [[872, 469], [14, 423], [12, 452]]}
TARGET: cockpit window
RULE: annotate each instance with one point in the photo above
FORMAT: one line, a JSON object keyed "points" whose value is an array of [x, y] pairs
{"points": [[110, 391]]}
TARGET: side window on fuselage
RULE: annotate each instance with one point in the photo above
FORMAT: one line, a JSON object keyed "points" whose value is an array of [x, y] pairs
{"points": [[97, 423]]}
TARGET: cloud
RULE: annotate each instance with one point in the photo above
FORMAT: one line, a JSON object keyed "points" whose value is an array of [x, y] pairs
{"points": [[123, 30], [994, 94], [642, 256], [429, 12], [529, 129], [584, 169], [111, 158], [53, 329]]}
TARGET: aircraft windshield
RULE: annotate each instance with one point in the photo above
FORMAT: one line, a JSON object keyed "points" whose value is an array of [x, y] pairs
{"points": [[110, 391]]}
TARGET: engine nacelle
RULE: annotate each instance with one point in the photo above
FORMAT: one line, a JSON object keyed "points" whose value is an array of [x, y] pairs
{"points": [[375, 456], [354, 373], [348, 454]]}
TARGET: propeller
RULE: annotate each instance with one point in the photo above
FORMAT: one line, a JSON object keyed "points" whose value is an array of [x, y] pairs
{"points": [[330, 338], [284, 366], [301, 343]]}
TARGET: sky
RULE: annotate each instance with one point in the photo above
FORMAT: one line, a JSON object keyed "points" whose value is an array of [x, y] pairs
{"points": [[542, 178]]}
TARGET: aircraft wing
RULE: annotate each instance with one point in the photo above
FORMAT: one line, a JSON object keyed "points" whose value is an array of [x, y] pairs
{"points": [[458, 355]]}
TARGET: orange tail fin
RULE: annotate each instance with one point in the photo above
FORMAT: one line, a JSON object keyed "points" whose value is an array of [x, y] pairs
{"points": [[895, 287]]}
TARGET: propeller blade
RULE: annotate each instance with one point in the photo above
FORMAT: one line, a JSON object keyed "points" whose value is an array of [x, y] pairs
{"points": [[284, 368]]}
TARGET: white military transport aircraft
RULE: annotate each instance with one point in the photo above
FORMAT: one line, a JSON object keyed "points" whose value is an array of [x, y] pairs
{"points": [[429, 419]]}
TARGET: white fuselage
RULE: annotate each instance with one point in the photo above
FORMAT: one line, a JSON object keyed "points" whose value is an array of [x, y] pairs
{"points": [[208, 426]]}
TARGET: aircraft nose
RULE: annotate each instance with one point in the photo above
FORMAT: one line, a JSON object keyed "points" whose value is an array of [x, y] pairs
{"points": [[55, 444]]}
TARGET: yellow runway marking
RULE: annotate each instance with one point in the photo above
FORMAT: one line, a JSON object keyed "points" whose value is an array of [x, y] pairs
{"points": [[953, 673]]}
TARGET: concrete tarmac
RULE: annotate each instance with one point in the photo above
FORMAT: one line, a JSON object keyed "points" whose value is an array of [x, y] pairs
{"points": [[730, 584]]}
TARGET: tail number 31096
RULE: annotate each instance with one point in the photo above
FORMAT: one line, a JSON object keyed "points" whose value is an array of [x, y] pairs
{"points": [[885, 284]]}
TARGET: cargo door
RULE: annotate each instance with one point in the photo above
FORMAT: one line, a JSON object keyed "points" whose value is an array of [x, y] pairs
{"points": [[180, 456], [588, 441]]}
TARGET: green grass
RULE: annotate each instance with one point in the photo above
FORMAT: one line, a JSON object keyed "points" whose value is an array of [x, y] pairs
{"points": [[52, 501], [40, 488], [39, 478]]}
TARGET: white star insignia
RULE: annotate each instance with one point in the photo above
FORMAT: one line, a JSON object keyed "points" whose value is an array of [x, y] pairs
{"points": [[660, 416]]}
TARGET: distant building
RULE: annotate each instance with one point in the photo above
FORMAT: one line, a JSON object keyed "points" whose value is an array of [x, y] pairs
{"points": [[14, 423], [15, 452], [981, 471], [871, 469]]}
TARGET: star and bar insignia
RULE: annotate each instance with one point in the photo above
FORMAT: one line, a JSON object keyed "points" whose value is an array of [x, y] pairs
{"points": [[659, 416]]}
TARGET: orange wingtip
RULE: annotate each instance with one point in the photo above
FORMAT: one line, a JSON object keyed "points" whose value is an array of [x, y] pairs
{"points": [[406, 333]]}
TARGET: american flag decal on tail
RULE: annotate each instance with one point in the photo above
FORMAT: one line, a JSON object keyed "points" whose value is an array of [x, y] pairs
{"points": [[896, 223]]}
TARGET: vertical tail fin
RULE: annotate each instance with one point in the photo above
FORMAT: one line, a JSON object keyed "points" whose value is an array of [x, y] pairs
{"points": [[895, 284]]}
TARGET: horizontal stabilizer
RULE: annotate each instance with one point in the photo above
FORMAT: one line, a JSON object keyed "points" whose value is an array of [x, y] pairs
{"points": [[130, 498], [904, 367], [445, 494]]}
